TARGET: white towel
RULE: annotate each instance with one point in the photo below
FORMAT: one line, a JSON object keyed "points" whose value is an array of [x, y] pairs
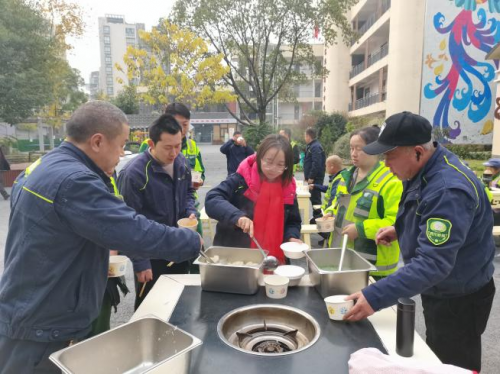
{"points": [[372, 361]]}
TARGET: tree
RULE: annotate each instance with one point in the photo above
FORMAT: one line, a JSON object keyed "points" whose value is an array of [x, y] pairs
{"points": [[32, 62], [127, 100], [264, 43], [175, 64], [330, 128]]}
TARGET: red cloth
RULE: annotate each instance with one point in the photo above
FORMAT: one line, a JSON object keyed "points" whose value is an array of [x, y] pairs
{"points": [[268, 219]]}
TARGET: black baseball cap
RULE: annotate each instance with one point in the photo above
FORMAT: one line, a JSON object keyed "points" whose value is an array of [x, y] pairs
{"points": [[399, 130]]}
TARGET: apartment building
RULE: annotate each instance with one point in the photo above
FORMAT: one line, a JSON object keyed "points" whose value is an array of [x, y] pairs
{"points": [[309, 95], [115, 35], [367, 75], [424, 56], [94, 85]]}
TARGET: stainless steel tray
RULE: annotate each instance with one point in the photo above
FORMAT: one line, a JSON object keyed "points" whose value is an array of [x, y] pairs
{"points": [[334, 282], [148, 345], [231, 279]]}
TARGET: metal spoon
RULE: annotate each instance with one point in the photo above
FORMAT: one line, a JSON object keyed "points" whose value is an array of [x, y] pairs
{"points": [[344, 245], [270, 262], [206, 257]]}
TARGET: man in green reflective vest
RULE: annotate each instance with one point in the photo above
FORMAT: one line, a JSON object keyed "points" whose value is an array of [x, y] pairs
{"points": [[287, 133], [189, 149]]}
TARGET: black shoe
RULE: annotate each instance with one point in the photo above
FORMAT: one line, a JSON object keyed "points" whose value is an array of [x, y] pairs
{"points": [[6, 197]]}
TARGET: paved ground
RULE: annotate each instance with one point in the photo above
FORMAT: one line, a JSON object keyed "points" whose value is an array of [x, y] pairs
{"points": [[215, 164]]}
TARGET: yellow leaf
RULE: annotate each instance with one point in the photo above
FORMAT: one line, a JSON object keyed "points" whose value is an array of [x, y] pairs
{"points": [[442, 45], [438, 70]]}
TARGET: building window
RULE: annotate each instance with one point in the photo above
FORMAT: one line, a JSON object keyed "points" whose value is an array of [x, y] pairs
{"points": [[109, 80], [107, 49], [108, 60], [106, 30], [317, 89], [107, 40], [296, 112], [109, 69], [129, 32], [110, 91]]}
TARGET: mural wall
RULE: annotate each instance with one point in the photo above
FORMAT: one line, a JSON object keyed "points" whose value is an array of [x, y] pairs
{"points": [[458, 88]]}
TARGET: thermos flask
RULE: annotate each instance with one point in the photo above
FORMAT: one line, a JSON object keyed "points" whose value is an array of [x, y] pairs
{"points": [[405, 329]]}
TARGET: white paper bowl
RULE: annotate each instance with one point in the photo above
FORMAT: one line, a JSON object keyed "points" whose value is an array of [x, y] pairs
{"points": [[276, 286], [325, 224], [188, 223], [117, 266], [292, 272], [294, 250], [337, 307]]}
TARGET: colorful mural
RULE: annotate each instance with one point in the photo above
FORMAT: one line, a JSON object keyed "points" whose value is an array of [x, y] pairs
{"points": [[457, 83]]}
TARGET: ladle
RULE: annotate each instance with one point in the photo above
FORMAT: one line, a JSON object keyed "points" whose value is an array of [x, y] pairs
{"points": [[344, 245], [270, 262], [206, 257]]}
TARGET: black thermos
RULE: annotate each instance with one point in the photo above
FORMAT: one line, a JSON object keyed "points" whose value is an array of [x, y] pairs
{"points": [[405, 329]]}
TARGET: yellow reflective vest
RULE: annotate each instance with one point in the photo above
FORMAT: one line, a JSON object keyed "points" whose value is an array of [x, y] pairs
{"points": [[371, 205]]}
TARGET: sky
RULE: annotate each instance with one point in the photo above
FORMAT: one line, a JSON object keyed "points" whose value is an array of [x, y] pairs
{"points": [[85, 54]]}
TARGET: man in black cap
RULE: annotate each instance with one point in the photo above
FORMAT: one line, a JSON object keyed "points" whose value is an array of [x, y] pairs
{"points": [[444, 227]]}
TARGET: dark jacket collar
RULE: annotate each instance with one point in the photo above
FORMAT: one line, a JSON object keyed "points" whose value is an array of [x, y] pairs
{"points": [[158, 168], [84, 159]]}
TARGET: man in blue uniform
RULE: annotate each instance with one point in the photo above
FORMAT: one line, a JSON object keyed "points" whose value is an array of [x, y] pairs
{"points": [[444, 227], [236, 150], [157, 184], [314, 167], [62, 224]]}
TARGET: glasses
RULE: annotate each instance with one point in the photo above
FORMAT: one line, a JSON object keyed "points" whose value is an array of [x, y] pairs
{"points": [[266, 164]]}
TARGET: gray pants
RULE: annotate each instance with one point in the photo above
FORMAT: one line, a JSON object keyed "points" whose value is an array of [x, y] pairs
{"points": [[28, 357]]}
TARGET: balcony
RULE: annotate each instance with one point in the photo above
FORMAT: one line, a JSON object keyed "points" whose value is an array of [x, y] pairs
{"points": [[372, 59], [370, 21], [367, 101]]}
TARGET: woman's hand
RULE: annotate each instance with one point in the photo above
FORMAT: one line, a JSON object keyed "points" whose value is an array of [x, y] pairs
{"points": [[351, 231], [246, 224], [295, 240]]}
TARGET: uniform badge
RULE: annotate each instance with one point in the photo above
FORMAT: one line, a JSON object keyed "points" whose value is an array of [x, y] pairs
{"points": [[438, 230]]}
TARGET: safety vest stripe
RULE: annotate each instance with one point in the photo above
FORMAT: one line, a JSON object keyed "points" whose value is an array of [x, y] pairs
{"points": [[367, 256], [387, 267], [38, 195], [381, 178], [361, 213], [147, 177]]}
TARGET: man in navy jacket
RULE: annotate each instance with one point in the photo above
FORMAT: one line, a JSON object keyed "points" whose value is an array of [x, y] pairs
{"points": [[157, 184], [236, 150], [314, 167], [444, 227], [63, 222]]}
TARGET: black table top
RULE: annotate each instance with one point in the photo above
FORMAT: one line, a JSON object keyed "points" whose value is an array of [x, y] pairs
{"points": [[198, 313]]}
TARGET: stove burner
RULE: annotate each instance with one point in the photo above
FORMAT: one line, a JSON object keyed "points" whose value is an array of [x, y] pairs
{"points": [[269, 346], [270, 340]]}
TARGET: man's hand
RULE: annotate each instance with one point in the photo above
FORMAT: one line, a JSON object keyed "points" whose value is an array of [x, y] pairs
{"points": [[295, 240], [243, 143], [386, 236], [328, 215], [144, 276], [310, 181], [360, 310], [192, 216], [246, 225], [311, 187], [351, 231]]}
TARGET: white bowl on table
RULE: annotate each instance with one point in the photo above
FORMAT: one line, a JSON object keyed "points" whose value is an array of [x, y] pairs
{"points": [[337, 306], [292, 272], [294, 250]]}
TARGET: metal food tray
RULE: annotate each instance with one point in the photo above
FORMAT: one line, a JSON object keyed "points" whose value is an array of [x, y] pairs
{"points": [[344, 282], [148, 345], [231, 279]]}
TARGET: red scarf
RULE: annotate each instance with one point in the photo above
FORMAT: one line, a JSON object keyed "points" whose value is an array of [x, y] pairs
{"points": [[268, 219]]}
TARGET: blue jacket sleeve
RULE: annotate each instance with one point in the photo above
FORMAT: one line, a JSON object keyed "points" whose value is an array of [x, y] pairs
{"points": [[293, 222], [317, 167], [85, 205], [217, 202], [130, 191], [432, 263], [226, 146], [321, 188]]}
